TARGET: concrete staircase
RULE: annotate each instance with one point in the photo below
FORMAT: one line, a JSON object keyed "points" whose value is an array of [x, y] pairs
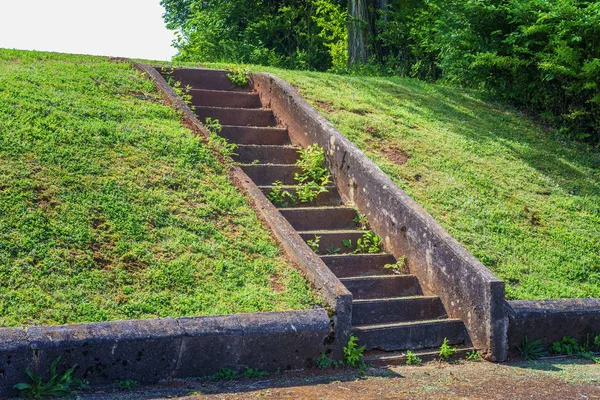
{"points": [[390, 313]]}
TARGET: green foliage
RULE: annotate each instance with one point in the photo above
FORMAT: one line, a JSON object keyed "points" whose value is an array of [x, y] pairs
{"points": [[254, 373], [361, 221], [532, 350], [446, 351], [353, 355], [473, 356], [223, 374], [332, 250], [126, 384], [399, 266], [281, 197], [216, 142], [109, 204], [326, 362], [412, 358], [596, 342], [57, 385], [369, 243], [567, 345], [314, 243], [238, 76], [347, 243]]}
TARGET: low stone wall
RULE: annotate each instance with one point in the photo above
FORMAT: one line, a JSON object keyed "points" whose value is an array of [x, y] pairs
{"points": [[468, 290], [550, 320], [148, 351]]}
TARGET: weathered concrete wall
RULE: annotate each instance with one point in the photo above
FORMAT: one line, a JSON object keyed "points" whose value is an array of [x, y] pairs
{"points": [[468, 290], [152, 350], [550, 320]]}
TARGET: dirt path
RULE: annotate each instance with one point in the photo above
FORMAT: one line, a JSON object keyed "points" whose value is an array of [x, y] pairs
{"points": [[562, 379]]}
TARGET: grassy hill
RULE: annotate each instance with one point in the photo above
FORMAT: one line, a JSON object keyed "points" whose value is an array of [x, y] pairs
{"points": [[524, 202], [110, 209]]}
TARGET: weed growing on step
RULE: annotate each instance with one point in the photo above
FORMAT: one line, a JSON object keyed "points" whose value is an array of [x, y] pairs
{"points": [[238, 76], [567, 346], [473, 356], [184, 92], [412, 358], [361, 221], [353, 355], [126, 384], [56, 386], [314, 243], [332, 250], [531, 350], [216, 142], [223, 374], [446, 351], [326, 362], [399, 267], [281, 197], [370, 242]]}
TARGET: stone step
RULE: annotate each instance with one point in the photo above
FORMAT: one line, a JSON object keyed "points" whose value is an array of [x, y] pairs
{"points": [[320, 218], [396, 309], [348, 265], [381, 358], [377, 287], [329, 198], [266, 174], [265, 154], [237, 116], [255, 135], [224, 98], [207, 79], [414, 335], [333, 238]]}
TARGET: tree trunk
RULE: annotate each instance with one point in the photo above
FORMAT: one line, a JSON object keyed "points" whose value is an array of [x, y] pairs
{"points": [[358, 27]]}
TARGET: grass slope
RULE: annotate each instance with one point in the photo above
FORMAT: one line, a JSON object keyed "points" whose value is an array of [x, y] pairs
{"points": [[523, 202], [109, 209]]}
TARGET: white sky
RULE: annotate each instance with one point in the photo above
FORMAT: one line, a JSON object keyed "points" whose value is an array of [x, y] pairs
{"points": [[120, 28]]}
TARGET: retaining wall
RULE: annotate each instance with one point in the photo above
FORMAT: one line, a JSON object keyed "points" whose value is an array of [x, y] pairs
{"points": [[550, 320], [468, 290]]}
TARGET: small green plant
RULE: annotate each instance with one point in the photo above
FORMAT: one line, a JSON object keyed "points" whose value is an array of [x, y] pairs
{"points": [[531, 350], [596, 343], [281, 197], [473, 356], [314, 176], [446, 351], [216, 142], [126, 384], [326, 362], [332, 250], [369, 243], [238, 76], [183, 91], [314, 243], [57, 385], [353, 354], [361, 221], [412, 358], [399, 267], [567, 345], [224, 374], [308, 192], [254, 373], [347, 243]]}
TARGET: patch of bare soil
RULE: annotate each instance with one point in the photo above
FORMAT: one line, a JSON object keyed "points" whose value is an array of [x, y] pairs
{"points": [[467, 380]]}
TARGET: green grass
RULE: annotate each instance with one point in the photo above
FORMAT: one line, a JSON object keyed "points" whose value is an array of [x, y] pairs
{"points": [[110, 209], [521, 200]]}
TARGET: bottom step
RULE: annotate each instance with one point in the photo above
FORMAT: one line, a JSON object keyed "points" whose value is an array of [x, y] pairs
{"points": [[411, 335], [380, 358]]}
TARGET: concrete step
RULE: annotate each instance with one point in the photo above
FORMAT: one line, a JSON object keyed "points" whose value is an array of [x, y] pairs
{"points": [[320, 218], [348, 265], [414, 335], [266, 174], [224, 98], [255, 135], [396, 309], [266, 154], [329, 198], [208, 79], [381, 358], [333, 238], [237, 116], [377, 287]]}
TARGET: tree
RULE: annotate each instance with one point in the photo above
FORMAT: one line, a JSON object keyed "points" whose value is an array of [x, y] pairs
{"points": [[358, 29]]}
